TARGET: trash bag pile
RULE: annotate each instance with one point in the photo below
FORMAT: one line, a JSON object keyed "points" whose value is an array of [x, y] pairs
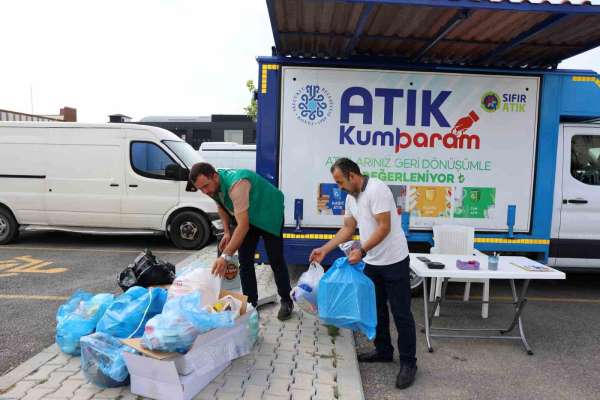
{"points": [[94, 326]]}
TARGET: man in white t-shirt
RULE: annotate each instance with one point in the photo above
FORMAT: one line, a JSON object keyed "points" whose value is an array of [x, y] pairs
{"points": [[371, 206]]}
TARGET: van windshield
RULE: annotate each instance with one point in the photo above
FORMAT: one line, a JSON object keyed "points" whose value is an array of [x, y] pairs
{"points": [[184, 152]]}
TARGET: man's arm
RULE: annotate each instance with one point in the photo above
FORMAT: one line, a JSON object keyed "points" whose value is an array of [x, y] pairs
{"points": [[343, 234], [224, 219], [239, 233]]}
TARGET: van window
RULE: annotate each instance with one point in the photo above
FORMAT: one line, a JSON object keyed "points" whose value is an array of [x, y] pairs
{"points": [[585, 159], [148, 159], [184, 151]]}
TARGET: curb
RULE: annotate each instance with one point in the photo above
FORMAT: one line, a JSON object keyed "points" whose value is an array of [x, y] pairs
{"points": [[24, 369], [349, 381]]}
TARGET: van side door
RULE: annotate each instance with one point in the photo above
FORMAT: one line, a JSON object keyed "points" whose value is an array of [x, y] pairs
{"points": [[579, 230], [85, 177], [149, 193]]}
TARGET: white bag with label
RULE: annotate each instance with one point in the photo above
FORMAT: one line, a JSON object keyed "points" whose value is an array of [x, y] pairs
{"points": [[198, 277]]}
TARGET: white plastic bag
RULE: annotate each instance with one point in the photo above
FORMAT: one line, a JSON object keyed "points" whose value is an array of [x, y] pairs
{"points": [[304, 294], [197, 277]]}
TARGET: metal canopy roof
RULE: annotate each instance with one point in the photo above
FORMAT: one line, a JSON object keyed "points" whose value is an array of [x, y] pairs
{"points": [[495, 33]]}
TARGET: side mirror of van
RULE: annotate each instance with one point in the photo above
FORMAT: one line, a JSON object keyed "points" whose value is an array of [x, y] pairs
{"points": [[176, 172]]}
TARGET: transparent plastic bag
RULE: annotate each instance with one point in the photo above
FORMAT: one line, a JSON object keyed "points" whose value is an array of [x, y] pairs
{"points": [[197, 277], [128, 314], [346, 298], [81, 321], [102, 360], [304, 294], [181, 321], [347, 247]]}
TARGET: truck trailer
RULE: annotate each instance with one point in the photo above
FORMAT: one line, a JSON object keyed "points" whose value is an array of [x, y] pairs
{"points": [[458, 106]]}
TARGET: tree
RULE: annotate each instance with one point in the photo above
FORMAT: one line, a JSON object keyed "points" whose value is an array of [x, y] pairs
{"points": [[252, 107]]}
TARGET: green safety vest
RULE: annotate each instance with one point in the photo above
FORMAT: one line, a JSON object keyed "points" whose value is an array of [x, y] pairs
{"points": [[265, 203]]}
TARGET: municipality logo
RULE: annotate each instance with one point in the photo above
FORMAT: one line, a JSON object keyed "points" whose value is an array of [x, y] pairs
{"points": [[312, 104], [490, 101]]}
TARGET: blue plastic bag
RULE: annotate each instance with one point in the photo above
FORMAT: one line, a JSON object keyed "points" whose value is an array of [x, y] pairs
{"points": [[128, 314], [102, 360], [201, 319], [181, 321], [346, 298], [73, 323], [72, 304]]}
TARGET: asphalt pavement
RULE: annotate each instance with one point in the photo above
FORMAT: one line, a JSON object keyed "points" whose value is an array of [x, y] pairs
{"points": [[38, 273], [561, 322]]}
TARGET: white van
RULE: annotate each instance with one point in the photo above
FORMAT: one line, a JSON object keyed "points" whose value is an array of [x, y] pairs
{"points": [[229, 155], [102, 179]]}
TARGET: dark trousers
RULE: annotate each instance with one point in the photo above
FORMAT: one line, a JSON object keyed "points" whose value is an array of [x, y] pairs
{"points": [[392, 284], [274, 248]]}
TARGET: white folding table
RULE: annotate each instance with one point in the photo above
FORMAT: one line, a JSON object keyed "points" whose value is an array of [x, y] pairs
{"points": [[506, 270]]}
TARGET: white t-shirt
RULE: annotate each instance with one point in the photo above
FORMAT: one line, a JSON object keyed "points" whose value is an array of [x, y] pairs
{"points": [[376, 199]]}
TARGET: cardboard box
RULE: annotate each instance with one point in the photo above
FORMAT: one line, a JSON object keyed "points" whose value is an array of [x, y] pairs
{"points": [[159, 379], [162, 375]]}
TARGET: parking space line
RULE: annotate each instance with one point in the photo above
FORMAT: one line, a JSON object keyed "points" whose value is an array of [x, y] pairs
{"points": [[92, 250], [31, 297]]}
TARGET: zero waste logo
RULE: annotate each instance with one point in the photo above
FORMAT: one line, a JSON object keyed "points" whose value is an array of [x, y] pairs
{"points": [[312, 104], [490, 101]]}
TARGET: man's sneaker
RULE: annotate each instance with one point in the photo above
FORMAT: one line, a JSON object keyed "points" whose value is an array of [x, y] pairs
{"points": [[285, 311], [374, 356], [406, 376]]}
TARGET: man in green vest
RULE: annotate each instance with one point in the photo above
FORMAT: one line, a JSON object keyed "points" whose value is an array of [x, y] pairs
{"points": [[257, 207]]}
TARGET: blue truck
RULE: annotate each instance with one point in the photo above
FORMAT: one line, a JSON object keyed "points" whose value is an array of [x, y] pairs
{"points": [[457, 105]]}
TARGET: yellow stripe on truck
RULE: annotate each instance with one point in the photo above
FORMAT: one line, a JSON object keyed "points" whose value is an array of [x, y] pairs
{"points": [[264, 76], [587, 79], [317, 236]]}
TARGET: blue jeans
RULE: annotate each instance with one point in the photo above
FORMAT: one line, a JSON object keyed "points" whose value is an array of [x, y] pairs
{"points": [[392, 284]]}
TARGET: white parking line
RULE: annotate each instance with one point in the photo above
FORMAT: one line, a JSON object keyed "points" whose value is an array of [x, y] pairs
{"points": [[31, 297]]}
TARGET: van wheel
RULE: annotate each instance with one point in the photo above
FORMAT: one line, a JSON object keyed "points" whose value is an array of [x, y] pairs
{"points": [[9, 229], [189, 230], [416, 283]]}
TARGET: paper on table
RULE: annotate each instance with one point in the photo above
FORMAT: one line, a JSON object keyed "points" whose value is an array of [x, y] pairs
{"points": [[532, 266]]}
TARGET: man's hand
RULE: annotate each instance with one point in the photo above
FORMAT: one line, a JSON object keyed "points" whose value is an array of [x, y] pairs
{"points": [[317, 255], [219, 267], [224, 241], [355, 256]]}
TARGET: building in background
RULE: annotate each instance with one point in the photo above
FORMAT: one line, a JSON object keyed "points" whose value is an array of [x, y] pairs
{"points": [[119, 118], [67, 114], [215, 128]]}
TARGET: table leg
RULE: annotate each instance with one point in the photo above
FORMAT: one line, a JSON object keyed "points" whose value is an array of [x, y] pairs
{"points": [[520, 302], [426, 315]]}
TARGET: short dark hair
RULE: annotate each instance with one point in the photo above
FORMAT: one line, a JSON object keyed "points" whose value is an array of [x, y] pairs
{"points": [[346, 166], [201, 168]]}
